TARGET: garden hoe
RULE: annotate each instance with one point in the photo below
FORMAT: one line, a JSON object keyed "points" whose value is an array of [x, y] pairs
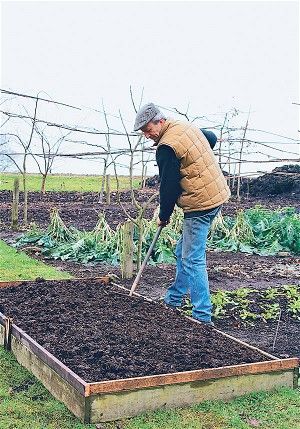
{"points": [[139, 274]]}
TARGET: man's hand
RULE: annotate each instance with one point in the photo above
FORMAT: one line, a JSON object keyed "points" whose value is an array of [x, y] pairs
{"points": [[162, 222]]}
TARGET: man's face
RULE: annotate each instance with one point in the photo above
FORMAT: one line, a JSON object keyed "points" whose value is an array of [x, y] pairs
{"points": [[152, 130]]}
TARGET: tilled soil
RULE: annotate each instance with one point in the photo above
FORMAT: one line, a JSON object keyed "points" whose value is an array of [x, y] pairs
{"points": [[101, 333], [283, 344], [82, 209]]}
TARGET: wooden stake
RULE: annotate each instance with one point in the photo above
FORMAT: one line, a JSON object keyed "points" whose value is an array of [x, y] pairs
{"points": [[127, 251], [7, 333], [276, 333]]}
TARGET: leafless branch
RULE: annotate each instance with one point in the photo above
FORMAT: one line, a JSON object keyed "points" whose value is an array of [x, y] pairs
{"points": [[4, 91], [66, 127]]}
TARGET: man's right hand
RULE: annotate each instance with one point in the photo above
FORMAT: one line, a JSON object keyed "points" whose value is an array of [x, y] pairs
{"points": [[162, 222]]}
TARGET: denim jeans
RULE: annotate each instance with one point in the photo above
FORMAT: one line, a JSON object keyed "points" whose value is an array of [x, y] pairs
{"points": [[191, 272]]}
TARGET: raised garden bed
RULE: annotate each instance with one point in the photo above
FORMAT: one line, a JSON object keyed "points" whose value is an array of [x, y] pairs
{"points": [[108, 355]]}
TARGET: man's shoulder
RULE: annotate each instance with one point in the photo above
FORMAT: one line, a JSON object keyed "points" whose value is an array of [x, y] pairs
{"points": [[183, 126], [177, 128]]}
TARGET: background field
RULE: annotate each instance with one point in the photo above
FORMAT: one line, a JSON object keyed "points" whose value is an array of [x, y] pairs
{"points": [[66, 182]]}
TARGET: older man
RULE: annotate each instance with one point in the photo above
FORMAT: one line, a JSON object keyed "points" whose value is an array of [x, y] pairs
{"points": [[191, 178]]}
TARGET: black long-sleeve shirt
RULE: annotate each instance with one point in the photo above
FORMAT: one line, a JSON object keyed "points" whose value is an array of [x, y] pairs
{"points": [[169, 173], [170, 189]]}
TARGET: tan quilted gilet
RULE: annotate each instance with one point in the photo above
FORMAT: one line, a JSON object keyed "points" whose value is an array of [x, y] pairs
{"points": [[203, 183]]}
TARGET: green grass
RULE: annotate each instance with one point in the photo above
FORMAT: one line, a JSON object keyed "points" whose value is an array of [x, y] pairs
{"points": [[67, 182], [16, 265], [279, 409], [26, 404]]}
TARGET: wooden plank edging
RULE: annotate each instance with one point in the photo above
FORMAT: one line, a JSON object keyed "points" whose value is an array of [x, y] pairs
{"points": [[189, 376]]}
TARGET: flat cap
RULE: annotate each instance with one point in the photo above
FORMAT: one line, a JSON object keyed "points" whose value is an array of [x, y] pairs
{"points": [[145, 115]]}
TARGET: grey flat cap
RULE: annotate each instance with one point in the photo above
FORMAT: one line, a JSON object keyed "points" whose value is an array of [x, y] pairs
{"points": [[144, 115]]}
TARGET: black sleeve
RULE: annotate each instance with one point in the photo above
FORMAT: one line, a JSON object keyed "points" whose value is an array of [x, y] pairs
{"points": [[210, 136], [169, 173]]}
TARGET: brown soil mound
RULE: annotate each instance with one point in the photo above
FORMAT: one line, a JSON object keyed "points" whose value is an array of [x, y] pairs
{"points": [[282, 180]]}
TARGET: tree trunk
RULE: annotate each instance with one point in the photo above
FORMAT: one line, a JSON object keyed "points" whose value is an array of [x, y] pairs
{"points": [[15, 204], [108, 189], [25, 207], [103, 181], [144, 175], [140, 243], [43, 187]]}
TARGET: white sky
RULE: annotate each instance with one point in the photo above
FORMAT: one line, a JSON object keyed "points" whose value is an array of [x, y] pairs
{"points": [[212, 56]]}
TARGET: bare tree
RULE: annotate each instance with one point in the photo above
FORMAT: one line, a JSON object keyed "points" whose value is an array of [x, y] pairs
{"points": [[49, 152], [240, 159], [141, 208], [22, 166], [5, 162]]}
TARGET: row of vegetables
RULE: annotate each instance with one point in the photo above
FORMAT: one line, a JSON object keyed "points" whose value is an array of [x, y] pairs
{"points": [[256, 230]]}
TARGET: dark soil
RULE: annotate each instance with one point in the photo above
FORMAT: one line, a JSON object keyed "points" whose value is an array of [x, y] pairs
{"points": [[282, 180], [101, 333], [263, 335], [79, 209], [82, 209]]}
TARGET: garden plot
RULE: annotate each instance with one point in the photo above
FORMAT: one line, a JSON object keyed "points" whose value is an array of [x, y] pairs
{"points": [[108, 355]]}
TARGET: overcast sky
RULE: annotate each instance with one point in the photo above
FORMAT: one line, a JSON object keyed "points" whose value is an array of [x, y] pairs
{"points": [[212, 56]]}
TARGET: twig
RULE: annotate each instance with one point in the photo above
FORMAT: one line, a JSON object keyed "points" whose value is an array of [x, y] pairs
{"points": [[34, 98], [276, 333]]}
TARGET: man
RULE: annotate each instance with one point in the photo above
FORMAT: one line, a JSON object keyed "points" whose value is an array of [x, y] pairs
{"points": [[191, 178]]}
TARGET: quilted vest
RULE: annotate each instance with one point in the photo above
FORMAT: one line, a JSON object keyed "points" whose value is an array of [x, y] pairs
{"points": [[202, 181]]}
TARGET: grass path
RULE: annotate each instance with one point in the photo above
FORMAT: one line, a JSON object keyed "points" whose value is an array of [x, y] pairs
{"points": [[16, 265]]}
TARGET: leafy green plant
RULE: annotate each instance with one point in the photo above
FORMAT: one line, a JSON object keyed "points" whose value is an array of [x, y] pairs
{"points": [[246, 314], [57, 229], [292, 293], [271, 293], [294, 307], [256, 230], [220, 299], [270, 311]]}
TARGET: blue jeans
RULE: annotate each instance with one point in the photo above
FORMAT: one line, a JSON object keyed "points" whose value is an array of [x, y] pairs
{"points": [[191, 271]]}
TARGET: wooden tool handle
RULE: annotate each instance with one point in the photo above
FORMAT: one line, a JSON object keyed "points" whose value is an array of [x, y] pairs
{"points": [[139, 274]]}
